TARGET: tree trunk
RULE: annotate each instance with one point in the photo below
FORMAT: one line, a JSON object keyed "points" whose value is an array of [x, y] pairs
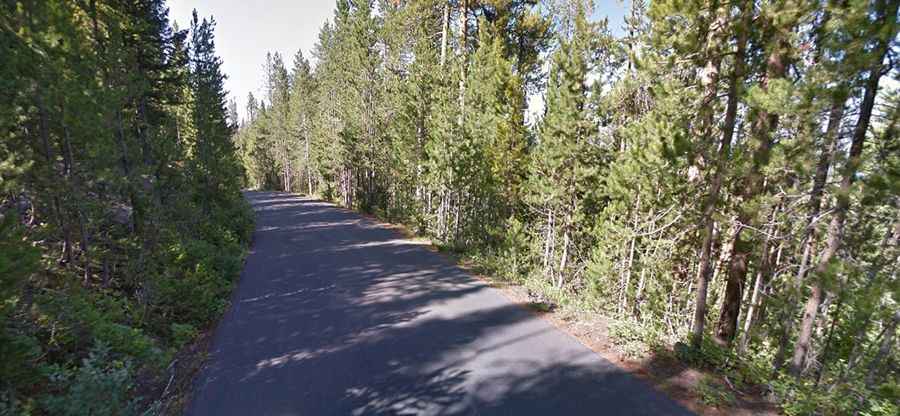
{"points": [[463, 45], [832, 137], [808, 240], [84, 242], [125, 164], [826, 350], [309, 190], [857, 350], [50, 158], [445, 32], [763, 126], [884, 351], [710, 82], [762, 278], [836, 114], [639, 295], [563, 259], [623, 306], [836, 228]]}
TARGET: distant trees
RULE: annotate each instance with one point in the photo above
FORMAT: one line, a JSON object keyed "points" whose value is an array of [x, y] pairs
{"points": [[701, 177], [121, 222]]}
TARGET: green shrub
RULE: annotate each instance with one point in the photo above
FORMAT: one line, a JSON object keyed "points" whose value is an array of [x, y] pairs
{"points": [[709, 355], [182, 334], [633, 338], [18, 260], [881, 407], [80, 319], [512, 256], [18, 348], [195, 299], [804, 397], [11, 405], [714, 394], [101, 386], [17, 352], [199, 278], [124, 339]]}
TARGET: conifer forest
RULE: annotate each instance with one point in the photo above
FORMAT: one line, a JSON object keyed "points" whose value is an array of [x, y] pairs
{"points": [[122, 226], [721, 181]]}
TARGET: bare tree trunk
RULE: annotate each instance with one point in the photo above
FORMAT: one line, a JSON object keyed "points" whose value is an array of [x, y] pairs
{"points": [[639, 295], [285, 175], [463, 45], [456, 225], [309, 187], [84, 242], [547, 236], [560, 278], [808, 240], [445, 32], [623, 306], [85, 247], [711, 82], [564, 258], [126, 171], [626, 277], [826, 350], [836, 114], [762, 277], [49, 157]]}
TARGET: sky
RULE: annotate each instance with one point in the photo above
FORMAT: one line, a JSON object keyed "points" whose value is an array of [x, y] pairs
{"points": [[247, 30]]}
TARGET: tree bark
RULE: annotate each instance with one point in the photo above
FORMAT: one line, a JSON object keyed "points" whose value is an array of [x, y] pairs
{"points": [[445, 32], [884, 350], [763, 125], [836, 228], [832, 137], [623, 305], [710, 81], [309, 187], [762, 278], [463, 45]]}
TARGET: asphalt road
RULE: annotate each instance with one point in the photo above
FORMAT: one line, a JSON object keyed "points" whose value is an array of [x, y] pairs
{"points": [[335, 315]]}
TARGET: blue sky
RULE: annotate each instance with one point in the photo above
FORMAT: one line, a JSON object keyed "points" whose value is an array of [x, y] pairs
{"points": [[615, 10], [246, 30]]}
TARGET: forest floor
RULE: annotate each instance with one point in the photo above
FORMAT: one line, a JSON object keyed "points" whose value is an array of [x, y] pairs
{"points": [[175, 385], [662, 369], [700, 390]]}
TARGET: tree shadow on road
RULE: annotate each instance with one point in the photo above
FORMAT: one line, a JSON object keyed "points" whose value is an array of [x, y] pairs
{"points": [[352, 319]]}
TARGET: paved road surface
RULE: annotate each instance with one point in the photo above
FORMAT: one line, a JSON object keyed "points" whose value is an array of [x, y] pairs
{"points": [[335, 315]]}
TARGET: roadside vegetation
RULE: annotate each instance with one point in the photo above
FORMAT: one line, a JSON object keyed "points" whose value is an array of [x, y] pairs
{"points": [[122, 227], [721, 181]]}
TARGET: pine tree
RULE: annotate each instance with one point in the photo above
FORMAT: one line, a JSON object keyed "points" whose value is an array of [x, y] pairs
{"points": [[300, 109], [96, 210], [214, 166], [684, 170], [563, 161], [886, 23]]}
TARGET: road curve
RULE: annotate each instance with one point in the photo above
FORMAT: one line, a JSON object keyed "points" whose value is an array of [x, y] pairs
{"points": [[336, 315]]}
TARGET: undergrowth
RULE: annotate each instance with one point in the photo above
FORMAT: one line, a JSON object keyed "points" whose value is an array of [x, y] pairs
{"points": [[67, 348]]}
